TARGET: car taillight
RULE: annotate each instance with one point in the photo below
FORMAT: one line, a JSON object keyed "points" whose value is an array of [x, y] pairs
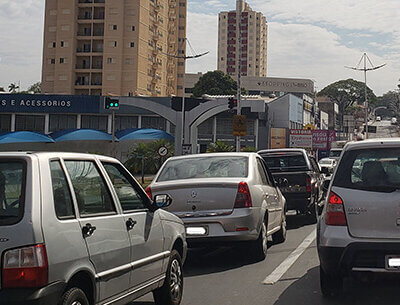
{"points": [[243, 197], [25, 267], [308, 184], [335, 211], [148, 192]]}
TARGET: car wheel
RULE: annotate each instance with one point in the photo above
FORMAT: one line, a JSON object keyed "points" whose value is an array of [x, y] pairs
{"points": [[280, 236], [172, 290], [260, 246], [330, 285], [74, 296]]}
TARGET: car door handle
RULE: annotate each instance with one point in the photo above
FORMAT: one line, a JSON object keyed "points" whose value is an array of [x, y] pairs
{"points": [[130, 223], [88, 230]]}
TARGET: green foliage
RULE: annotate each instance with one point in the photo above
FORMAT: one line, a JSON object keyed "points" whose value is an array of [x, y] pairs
{"points": [[220, 146], [348, 93], [35, 88], [148, 151], [13, 87], [248, 149], [215, 83]]}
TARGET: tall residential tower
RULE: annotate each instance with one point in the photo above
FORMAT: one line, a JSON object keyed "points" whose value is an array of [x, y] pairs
{"points": [[253, 29], [114, 47]]}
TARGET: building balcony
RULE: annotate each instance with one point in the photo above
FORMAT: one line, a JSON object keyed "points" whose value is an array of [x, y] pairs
{"points": [[84, 33], [83, 50], [85, 17]]}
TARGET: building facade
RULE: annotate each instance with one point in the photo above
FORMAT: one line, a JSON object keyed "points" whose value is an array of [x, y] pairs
{"points": [[252, 26], [118, 47]]}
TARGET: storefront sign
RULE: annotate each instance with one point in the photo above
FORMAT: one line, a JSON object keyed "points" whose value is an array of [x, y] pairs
{"points": [[301, 138], [278, 138]]}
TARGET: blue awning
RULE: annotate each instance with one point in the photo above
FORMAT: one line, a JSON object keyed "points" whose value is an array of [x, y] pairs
{"points": [[24, 137], [124, 132], [81, 135], [145, 134]]}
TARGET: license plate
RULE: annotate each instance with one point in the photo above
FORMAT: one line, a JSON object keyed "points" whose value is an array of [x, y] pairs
{"points": [[393, 262], [199, 231]]}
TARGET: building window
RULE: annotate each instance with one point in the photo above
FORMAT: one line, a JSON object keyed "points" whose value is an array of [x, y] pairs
{"points": [[61, 122], [113, 27], [65, 28], [94, 122], [125, 122], [111, 77], [64, 44], [50, 78], [131, 44], [180, 63], [52, 61], [63, 77], [110, 60], [181, 28], [62, 60], [182, 4], [133, 28], [5, 122], [181, 16], [113, 44], [52, 29], [66, 11], [154, 122], [180, 75], [129, 61], [53, 12], [29, 123]]}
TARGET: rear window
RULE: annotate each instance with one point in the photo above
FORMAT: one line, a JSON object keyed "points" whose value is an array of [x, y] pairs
{"points": [[335, 153], [376, 170], [204, 167], [286, 162], [12, 191]]}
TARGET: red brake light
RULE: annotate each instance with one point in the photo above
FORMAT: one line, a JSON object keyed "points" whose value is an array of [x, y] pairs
{"points": [[335, 215], [25, 267], [243, 197], [308, 184], [148, 192]]}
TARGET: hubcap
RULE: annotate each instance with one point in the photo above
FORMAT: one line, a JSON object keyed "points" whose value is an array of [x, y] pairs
{"points": [[176, 279], [264, 237], [76, 303]]}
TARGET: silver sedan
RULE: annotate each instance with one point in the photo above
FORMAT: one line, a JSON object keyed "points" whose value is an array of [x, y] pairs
{"points": [[224, 197]]}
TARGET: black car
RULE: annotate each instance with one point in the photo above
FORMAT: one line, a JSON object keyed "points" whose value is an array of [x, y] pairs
{"points": [[298, 177]]}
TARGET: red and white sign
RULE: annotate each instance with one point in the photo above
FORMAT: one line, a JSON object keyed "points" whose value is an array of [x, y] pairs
{"points": [[320, 139], [301, 138]]}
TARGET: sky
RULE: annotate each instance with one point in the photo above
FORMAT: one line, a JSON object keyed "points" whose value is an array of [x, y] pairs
{"points": [[312, 39]]}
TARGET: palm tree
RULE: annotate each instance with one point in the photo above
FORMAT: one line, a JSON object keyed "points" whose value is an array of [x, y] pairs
{"points": [[13, 87]]}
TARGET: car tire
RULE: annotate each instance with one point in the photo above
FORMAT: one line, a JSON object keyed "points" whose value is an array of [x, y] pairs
{"points": [[331, 285], [74, 296], [170, 293], [280, 236], [260, 245]]}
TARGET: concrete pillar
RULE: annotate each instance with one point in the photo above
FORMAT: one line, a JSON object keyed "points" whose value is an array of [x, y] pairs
{"points": [[214, 130], [79, 121], [46, 123], [178, 135], [139, 122], [12, 127], [168, 127], [110, 123], [256, 133]]}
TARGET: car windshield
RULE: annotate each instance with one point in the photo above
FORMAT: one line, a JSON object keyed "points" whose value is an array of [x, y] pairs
{"points": [[204, 167], [335, 153], [370, 169], [12, 184], [286, 162]]}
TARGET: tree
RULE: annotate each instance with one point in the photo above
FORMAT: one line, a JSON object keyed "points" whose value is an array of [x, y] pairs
{"points": [[220, 146], [35, 88], [215, 83], [13, 87], [148, 152], [348, 93]]}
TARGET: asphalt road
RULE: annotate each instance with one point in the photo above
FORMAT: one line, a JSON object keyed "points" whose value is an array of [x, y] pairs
{"points": [[227, 276]]}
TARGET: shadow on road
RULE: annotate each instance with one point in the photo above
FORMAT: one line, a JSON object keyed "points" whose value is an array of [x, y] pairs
{"points": [[297, 221], [211, 260], [306, 291]]}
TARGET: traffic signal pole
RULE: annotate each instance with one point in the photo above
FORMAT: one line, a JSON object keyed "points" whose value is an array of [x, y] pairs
{"points": [[113, 134], [239, 93]]}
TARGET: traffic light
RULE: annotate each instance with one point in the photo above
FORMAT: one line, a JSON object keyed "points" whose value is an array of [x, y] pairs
{"points": [[232, 103], [111, 103]]}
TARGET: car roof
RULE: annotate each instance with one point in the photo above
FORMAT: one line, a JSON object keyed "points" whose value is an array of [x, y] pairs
{"points": [[47, 154], [277, 150], [218, 154], [373, 143]]}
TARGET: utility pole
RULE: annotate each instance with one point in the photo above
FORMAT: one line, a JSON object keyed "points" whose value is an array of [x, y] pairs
{"points": [[364, 59], [184, 57], [239, 93]]}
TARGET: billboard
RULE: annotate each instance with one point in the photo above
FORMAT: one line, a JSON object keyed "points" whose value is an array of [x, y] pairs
{"points": [[278, 138], [301, 138]]}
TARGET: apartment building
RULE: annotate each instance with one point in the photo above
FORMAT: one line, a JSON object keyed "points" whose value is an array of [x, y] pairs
{"points": [[252, 28], [114, 47]]}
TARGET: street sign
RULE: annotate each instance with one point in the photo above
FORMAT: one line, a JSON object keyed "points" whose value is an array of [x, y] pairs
{"points": [[300, 138], [162, 151], [239, 125]]}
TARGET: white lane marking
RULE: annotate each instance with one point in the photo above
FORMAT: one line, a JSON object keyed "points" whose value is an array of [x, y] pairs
{"points": [[290, 260]]}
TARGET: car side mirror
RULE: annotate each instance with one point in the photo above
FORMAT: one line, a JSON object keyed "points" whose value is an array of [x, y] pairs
{"points": [[162, 201], [326, 184]]}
